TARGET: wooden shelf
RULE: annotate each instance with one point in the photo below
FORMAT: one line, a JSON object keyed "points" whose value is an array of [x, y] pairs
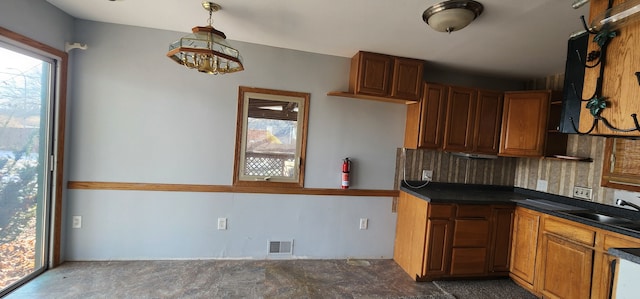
{"points": [[569, 158], [368, 97]]}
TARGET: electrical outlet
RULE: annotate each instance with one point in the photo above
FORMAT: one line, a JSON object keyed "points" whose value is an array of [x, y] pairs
{"points": [[364, 223], [76, 222], [222, 223], [582, 192], [542, 185], [427, 174]]}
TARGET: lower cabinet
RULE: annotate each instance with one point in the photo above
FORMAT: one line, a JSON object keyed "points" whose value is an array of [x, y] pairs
{"points": [[526, 225], [452, 240], [558, 258], [565, 268]]}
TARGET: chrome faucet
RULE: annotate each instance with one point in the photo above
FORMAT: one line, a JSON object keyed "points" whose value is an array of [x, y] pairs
{"points": [[622, 202]]}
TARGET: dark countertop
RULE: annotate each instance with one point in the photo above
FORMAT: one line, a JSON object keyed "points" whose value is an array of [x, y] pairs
{"points": [[629, 254], [547, 203]]}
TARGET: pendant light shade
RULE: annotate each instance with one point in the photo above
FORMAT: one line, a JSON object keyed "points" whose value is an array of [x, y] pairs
{"points": [[206, 49], [452, 15]]}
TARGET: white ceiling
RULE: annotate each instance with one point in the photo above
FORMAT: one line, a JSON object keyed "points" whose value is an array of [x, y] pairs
{"points": [[514, 38]]}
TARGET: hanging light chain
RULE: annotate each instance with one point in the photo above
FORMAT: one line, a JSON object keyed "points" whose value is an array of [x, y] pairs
{"points": [[210, 19]]}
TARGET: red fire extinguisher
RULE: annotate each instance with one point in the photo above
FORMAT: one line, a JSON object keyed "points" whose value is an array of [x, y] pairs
{"points": [[346, 168]]}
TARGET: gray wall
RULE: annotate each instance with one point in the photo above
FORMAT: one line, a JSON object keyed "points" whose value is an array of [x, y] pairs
{"points": [[139, 117], [38, 20]]}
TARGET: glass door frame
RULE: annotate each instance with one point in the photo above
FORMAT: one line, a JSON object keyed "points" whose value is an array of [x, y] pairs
{"points": [[55, 160]]}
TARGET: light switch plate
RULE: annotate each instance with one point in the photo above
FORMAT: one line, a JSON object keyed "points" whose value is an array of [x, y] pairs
{"points": [[222, 223], [76, 222]]}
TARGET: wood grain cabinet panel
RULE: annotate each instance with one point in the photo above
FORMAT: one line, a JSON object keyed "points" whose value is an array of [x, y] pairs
{"points": [[619, 83], [471, 233], [371, 73], [455, 119], [461, 113], [469, 261], [438, 248], [407, 78], [386, 76], [559, 258], [525, 125], [602, 276], [526, 225], [410, 234], [566, 269], [502, 218], [449, 240], [621, 166], [488, 120], [426, 120]]}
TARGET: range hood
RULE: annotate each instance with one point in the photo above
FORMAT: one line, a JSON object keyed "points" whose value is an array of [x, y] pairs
{"points": [[475, 156]]}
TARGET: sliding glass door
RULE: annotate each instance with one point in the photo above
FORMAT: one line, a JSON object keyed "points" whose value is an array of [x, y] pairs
{"points": [[26, 105]]}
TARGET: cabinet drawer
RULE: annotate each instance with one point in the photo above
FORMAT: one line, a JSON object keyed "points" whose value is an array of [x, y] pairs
{"points": [[471, 233], [569, 231], [473, 211], [441, 211], [468, 261], [613, 241]]}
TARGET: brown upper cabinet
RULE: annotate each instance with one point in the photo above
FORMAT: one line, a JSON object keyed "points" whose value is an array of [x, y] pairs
{"points": [[383, 77], [461, 113], [455, 119], [426, 119], [530, 124], [473, 121]]}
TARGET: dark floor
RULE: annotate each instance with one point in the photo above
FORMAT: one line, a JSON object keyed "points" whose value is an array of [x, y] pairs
{"points": [[252, 279]]}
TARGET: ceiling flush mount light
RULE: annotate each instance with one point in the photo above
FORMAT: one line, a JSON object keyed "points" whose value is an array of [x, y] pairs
{"points": [[452, 15], [206, 50]]}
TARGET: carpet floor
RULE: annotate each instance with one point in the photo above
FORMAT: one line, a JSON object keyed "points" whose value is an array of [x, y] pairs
{"points": [[252, 279]]}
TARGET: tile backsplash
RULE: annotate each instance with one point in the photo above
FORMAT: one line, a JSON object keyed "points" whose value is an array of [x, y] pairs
{"points": [[561, 175], [448, 168]]}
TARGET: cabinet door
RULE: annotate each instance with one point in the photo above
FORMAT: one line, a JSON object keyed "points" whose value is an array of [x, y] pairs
{"points": [[524, 246], [486, 137], [432, 118], [524, 123], [461, 108], [468, 261], [374, 73], [471, 233], [502, 222], [438, 247], [566, 269], [407, 78], [470, 242]]}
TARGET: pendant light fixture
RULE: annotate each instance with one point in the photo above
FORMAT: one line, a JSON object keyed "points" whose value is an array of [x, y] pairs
{"points": [[452, 15], [206, 50]]}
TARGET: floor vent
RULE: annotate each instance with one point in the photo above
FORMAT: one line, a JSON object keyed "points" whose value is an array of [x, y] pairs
{"points": [[281, 247]]}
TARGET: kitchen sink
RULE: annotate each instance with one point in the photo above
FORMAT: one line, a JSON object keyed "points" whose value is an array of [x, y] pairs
{"points": [[606, 219]]}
